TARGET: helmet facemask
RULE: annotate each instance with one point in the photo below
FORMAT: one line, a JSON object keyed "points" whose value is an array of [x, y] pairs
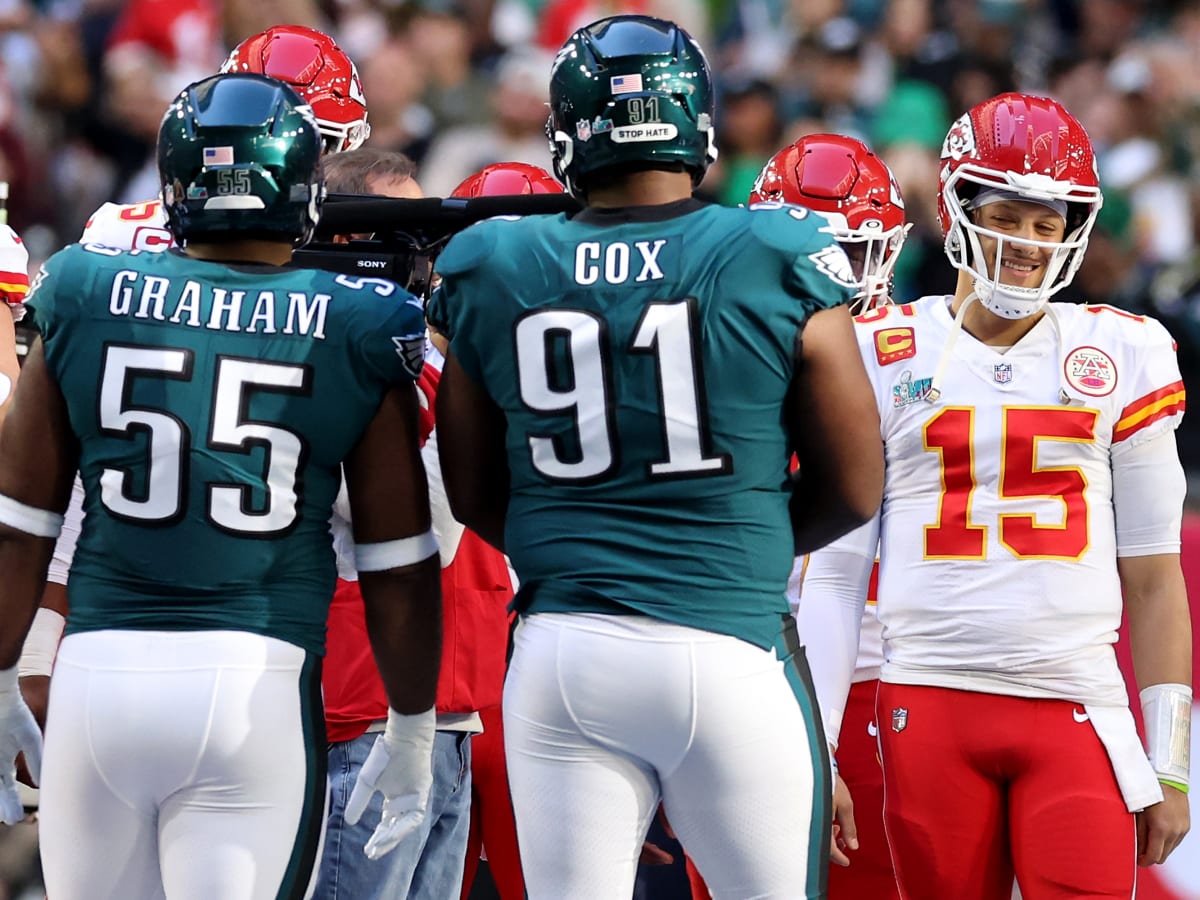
{"points": [[873, 253], [1080, 204], [338, 137]]}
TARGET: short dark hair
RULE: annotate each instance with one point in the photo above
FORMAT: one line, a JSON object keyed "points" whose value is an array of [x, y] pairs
{"points": [[349, 172]]}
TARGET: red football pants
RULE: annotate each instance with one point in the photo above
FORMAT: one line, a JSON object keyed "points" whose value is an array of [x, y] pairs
{"points": [[492, 826], [870, 871], [980, 787]]}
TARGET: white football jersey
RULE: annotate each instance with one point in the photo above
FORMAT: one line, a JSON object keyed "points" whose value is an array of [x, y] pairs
{"points": [[998, 541], [14, 271], [129, 226]]}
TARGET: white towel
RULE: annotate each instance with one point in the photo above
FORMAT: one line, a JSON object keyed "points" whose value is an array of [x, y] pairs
{"points": [[1117, 731]]}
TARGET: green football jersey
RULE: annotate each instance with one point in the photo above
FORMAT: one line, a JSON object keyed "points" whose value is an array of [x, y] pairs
{"points": [[214, 405], [642, 366]]}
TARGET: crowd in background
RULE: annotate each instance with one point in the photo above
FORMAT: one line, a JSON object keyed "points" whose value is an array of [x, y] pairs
{"points": [[458, 84]]}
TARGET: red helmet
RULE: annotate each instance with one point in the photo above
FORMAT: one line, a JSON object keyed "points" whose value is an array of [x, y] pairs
{"points": [[840, 178], [507, 178], [1017, 147], [320, 72]]}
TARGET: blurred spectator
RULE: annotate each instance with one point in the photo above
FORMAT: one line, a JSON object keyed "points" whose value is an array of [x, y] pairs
{"points": [[1124, 120], [516, 130], [561, 18], [921, 268], [914, 112], [821, 83], [1110, 272], [394, 80], [157, 48], [456, 91], [748, 132], [243, 18]]}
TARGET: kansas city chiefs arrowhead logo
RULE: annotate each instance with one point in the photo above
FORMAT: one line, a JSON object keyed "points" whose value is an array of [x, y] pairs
{"points": [[411, 350]]}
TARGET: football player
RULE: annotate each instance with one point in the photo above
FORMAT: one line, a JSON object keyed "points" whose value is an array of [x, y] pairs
{"points": [[209, 397], [841, 179], [313, 64], [1033, 491], [628, 447]]}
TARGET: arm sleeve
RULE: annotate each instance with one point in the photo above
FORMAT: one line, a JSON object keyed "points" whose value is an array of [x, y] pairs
{"points": [[447, 529], [828, 601], [1149, 487], [64, 547], [392, 347]]}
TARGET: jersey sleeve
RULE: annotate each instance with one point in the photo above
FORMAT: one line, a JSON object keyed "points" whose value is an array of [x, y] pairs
{"points": [[51, 299], [820, 274], [459, 266], [392, 347], [1155, 401], [14, 271]]}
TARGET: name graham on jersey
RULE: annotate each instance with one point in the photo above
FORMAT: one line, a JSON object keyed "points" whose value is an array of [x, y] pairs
{"points": [[141, 296]]}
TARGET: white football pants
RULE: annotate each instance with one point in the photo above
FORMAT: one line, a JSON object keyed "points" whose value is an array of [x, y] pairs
{"points": [[604, 716], [182, 765]]}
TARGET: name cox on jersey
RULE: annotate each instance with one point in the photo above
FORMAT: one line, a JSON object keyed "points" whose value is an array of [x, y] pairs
{"points": [[616, 257]]}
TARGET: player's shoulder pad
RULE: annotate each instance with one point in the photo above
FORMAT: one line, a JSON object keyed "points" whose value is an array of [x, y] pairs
{"points": [[1120, 326], [129, 226], [785, 227], [366, 295], [468, 249], [795, 232], [65, 267], [888, 334]]}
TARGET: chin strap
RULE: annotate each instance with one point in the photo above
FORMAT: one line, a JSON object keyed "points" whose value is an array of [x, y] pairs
{"points": [[935, 387]]}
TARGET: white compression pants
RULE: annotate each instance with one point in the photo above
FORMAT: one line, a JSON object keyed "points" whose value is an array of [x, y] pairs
{"points": [[182, 765], [606, 715]]}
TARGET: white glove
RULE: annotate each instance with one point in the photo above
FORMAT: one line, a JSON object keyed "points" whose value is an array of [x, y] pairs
{"points": [[19, 733], [399, 766]]}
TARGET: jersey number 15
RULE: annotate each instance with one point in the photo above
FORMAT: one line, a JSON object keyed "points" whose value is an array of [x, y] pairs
{"points": [[951, 434]]}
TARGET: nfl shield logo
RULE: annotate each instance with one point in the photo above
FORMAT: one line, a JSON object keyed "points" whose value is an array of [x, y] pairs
{"points": [[899, 718], [1002, 373]]}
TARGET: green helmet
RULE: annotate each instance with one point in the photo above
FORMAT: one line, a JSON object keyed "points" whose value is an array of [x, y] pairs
{"points": [[239, 156], [630, 91]]}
